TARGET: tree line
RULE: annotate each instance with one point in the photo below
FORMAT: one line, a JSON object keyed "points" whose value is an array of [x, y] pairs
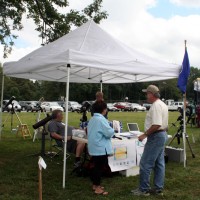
{"points": [[24, 89]]}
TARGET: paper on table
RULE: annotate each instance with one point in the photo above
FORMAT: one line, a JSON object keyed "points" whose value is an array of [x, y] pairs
{"points": [[126, 134]]}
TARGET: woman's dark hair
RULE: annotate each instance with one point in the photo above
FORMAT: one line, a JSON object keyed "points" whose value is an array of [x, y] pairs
{"points": [[99, 106]]}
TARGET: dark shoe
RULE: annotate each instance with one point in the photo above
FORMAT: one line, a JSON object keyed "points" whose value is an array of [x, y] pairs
{"points": [[138, 192], [156, 192], [77, 164]]}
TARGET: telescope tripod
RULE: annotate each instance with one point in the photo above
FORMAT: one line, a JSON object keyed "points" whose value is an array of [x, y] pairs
{"points": [[11, 113], [22, 128], [179, 135]]}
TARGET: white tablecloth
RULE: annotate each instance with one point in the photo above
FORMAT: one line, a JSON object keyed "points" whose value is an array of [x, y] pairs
{"points": [[126, 152]]}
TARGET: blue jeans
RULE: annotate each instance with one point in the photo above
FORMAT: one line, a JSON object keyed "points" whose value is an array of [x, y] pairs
{"points": [[153, 159]]}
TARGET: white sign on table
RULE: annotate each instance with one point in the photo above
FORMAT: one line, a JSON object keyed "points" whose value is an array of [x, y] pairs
{"points": [[124, 156]]}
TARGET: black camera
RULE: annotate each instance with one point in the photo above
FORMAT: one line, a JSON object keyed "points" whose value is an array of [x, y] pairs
{"points": [[84, 108]]}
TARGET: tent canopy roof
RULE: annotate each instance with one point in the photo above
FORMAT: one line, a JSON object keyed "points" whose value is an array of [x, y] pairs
{"points": [[94, 56]]}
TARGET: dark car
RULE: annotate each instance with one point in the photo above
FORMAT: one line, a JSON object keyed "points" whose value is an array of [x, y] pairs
{"points": [[33, 106], [23, 105], [147, 105]]}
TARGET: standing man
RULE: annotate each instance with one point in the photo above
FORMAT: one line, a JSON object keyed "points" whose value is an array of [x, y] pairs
{"points": [[99, 97], [156, 124]]}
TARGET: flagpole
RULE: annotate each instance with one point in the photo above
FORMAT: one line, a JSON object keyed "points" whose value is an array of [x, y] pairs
{"points": [[184, 130], [184, 124]]}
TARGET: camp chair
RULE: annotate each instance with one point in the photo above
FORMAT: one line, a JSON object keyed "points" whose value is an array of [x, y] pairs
{"points": [[55, 149]]}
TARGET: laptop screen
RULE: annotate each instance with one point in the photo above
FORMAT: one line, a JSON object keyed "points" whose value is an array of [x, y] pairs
{"points": [[132, 126]]}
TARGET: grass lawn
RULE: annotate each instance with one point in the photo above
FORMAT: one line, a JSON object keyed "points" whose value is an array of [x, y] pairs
{"points": [[19, 171]]}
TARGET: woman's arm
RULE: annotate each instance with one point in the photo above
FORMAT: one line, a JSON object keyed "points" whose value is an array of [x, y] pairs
{"points": [[107, 130]]}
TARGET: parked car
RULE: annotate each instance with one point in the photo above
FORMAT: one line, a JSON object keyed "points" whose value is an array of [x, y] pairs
{"points": [[23, 105], [75, 106], [111, 108], [137, 107], [50, 106], [147, 105], [62, 104], [176, 106], [127, 107], [32, 106], [15, 103], [120, 105]]}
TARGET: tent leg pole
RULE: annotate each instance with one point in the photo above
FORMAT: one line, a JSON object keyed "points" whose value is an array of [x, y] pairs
{"points": [[1, 114], [66, 124], [101, 86]]}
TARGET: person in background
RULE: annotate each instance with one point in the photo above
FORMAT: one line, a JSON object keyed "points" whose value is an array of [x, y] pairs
{"points": [[156, 123], [99, 144], [57, 131], [99, 97]]}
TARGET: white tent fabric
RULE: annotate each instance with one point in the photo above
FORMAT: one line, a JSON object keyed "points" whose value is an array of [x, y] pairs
{"points": [[88, 55], [94, 56]]}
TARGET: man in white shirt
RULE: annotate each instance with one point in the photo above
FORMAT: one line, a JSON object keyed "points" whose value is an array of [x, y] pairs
{"points": [[156, 124]]}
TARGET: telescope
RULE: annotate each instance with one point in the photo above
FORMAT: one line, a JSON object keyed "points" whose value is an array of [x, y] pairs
{"points": [[9, 102], [86, 106], [43, 121]]}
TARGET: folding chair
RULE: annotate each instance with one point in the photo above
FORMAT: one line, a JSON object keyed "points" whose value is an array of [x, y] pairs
{"points": [[55, 149]]}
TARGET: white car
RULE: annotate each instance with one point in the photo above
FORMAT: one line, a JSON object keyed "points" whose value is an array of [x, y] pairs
{"points": [[175, 106], [50, 106], [136, 107], [15, 103], [74, 106]]}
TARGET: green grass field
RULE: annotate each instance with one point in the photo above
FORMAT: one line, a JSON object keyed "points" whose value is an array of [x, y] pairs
{"points": [[19, 171]]}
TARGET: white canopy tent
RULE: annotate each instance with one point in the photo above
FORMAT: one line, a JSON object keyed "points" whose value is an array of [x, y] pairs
{"points": [[89, 55]]}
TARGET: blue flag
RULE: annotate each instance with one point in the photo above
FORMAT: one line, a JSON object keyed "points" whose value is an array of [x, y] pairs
{"points": [[185, 72]]}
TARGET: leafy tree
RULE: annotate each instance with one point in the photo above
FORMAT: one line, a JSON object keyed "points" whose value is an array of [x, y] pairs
{"points": [[50, 23]]}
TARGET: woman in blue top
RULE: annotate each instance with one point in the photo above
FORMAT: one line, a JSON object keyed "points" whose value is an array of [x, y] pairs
{"points": [[99, 143]]}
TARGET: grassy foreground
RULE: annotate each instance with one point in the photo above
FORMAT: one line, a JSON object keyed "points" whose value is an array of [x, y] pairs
{"points": [[19, 171]]}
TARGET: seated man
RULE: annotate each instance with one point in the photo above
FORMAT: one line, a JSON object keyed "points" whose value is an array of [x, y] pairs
{"points": [[57, 131]]}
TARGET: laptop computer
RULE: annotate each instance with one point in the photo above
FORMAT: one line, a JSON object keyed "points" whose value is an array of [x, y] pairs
{"points": [[133, 128]]}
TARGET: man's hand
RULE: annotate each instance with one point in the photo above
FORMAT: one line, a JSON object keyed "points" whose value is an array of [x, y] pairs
{"points": [[142, 137]]}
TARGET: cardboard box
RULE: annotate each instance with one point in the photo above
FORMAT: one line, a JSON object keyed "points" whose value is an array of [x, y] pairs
{"points": [[175, 154]]}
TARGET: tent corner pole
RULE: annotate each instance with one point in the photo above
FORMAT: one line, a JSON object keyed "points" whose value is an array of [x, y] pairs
{"points": [[66, 124], [101, 86], [1, 114]]}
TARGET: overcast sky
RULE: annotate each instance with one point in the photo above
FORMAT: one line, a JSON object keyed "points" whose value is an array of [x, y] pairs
{"points": [[157, 28]]}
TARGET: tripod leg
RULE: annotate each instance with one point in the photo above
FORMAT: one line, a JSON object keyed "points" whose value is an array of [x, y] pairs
{"points": [[5, 119], [11, 122], [190, 146], [172, 139], [18, 117]]}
